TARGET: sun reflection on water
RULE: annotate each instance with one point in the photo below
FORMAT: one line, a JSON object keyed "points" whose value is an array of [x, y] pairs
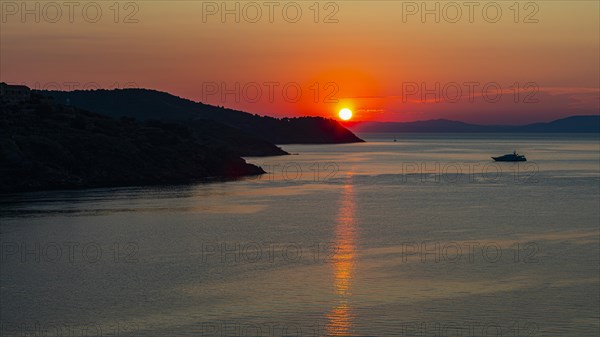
{"points": [[339, 319]]}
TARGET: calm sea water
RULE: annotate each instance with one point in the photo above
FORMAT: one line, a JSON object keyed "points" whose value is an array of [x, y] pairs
{"points": [[425, 236]]}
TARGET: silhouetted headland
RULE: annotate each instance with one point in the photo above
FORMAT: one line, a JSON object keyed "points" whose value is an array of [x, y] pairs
{"points": [[144, 104], [44, 145], [101, 138]]}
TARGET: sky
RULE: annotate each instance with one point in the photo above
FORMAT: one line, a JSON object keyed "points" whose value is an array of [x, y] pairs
{"points": [[489, 62]]}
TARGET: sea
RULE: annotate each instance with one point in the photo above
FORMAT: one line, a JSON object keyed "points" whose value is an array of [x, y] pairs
{"points": [[402, 235]]}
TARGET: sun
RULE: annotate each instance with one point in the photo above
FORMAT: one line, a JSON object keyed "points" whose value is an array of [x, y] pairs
{"points": [[345, 114]]}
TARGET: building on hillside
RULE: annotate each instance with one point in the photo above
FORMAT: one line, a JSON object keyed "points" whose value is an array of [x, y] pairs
{"points": [[14, 93]]}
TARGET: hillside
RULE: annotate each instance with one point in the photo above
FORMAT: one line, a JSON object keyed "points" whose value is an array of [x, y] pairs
{"points": [[144, 104], [44, 145], [587, 124], [574, 124]]}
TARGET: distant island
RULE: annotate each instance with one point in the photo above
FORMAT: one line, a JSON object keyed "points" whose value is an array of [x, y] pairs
{"points": [[104, 138], [573, 124]]}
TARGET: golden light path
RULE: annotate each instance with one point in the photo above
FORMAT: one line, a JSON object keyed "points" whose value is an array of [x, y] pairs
{"points": [[340, 318]]}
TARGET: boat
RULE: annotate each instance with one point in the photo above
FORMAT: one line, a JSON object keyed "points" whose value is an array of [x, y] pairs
{"points": [[511, 157]]}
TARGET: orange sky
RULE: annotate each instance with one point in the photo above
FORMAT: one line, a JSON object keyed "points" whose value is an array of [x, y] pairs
{"points": [[380, 58]]}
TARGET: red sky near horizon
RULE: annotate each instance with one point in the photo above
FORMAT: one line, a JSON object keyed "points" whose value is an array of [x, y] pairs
{"points": [[493, 63]]}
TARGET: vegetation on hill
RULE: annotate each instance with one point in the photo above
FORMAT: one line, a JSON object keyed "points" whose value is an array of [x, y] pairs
{"points": [[44, 145], [144, 104]]}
